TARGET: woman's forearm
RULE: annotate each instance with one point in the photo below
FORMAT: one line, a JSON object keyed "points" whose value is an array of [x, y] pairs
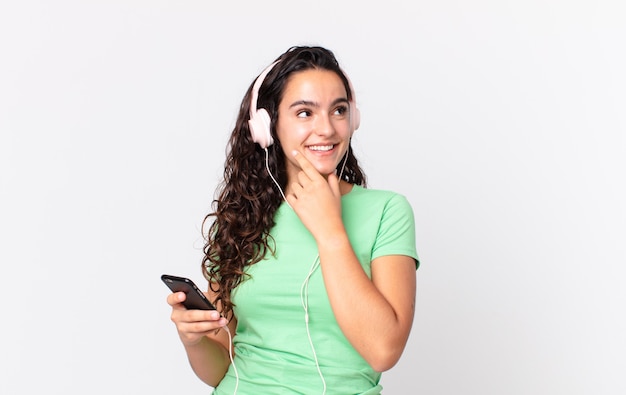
{"points": [[209, 360], [375, 314]]}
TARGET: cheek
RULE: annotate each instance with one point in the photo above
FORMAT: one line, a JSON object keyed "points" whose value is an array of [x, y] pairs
{"points": [[291, 134], [343, 128]]}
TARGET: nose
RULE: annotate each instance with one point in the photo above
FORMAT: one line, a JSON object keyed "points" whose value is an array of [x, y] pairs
{"points": [[324, 126]]}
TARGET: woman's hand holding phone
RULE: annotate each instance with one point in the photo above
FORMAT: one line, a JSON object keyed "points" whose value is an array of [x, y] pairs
{"points": [[193, 325], [192, 313]]}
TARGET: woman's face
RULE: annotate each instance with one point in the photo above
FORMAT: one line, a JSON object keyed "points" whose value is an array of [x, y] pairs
{"points": [[314, 119]]}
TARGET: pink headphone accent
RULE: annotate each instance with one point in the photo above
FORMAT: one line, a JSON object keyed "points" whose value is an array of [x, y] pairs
{"points": [[260, 121]]}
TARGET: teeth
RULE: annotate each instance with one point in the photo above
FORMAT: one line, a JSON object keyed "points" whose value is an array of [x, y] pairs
{"points": [[321, 147]]}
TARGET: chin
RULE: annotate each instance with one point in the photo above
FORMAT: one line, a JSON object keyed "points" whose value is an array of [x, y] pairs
{"points": [[324, 166], [325, 171]]}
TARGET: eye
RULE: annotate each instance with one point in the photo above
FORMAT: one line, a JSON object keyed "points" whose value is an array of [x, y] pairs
{"points": [[303, 114], [341, 110]]}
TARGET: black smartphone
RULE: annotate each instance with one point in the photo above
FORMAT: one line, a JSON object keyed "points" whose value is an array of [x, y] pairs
{"points": [[195, 298]]}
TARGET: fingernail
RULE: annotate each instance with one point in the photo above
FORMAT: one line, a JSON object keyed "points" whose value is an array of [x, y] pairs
{"points": [[294, 152]]}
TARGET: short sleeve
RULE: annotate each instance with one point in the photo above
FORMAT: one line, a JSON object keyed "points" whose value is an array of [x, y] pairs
{"points": [[396, 233]]}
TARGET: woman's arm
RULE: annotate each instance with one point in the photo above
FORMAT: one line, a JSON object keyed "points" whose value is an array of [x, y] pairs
{"points": [[375, 314], [205, 340]]}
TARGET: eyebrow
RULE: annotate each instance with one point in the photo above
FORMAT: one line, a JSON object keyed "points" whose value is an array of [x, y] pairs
{"points": [[316, 104]]}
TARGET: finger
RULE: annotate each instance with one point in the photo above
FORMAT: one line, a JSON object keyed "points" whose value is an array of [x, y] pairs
{"points": [[305, 165], [176, 298], [201, 327], [303, 179], [183, 316], [203, 315], [333, 181], [297, 186]]}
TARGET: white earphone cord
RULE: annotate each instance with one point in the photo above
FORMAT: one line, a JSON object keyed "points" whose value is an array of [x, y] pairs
{"points": [[267, 166], [304, 290], [232, 360], [304, 299]]}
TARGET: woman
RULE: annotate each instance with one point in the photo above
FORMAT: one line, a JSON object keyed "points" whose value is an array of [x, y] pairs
{"points": [[313, 274]]}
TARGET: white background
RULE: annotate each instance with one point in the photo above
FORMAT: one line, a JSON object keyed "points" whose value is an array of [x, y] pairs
{"points": [[503, 123]]}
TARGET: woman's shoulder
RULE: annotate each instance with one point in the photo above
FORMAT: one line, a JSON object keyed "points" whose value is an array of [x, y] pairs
{"points": [[360, 192], [369, 199]]}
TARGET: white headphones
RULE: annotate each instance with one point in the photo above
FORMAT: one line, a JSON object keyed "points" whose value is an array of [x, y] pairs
{"points": [[260, 121]]}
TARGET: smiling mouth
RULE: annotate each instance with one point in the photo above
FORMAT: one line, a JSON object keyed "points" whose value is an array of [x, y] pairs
{"points": [[320, 147]]}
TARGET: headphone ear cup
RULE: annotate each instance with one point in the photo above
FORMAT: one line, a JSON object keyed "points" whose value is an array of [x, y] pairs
{"points": [[355, 117], [259, 125]]}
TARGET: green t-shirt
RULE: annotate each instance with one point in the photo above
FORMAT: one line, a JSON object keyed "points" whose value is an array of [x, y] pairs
{"points": [[273, 353]]}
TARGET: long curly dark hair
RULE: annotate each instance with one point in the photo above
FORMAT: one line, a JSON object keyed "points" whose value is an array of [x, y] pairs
{"points": [[248, 198]]}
